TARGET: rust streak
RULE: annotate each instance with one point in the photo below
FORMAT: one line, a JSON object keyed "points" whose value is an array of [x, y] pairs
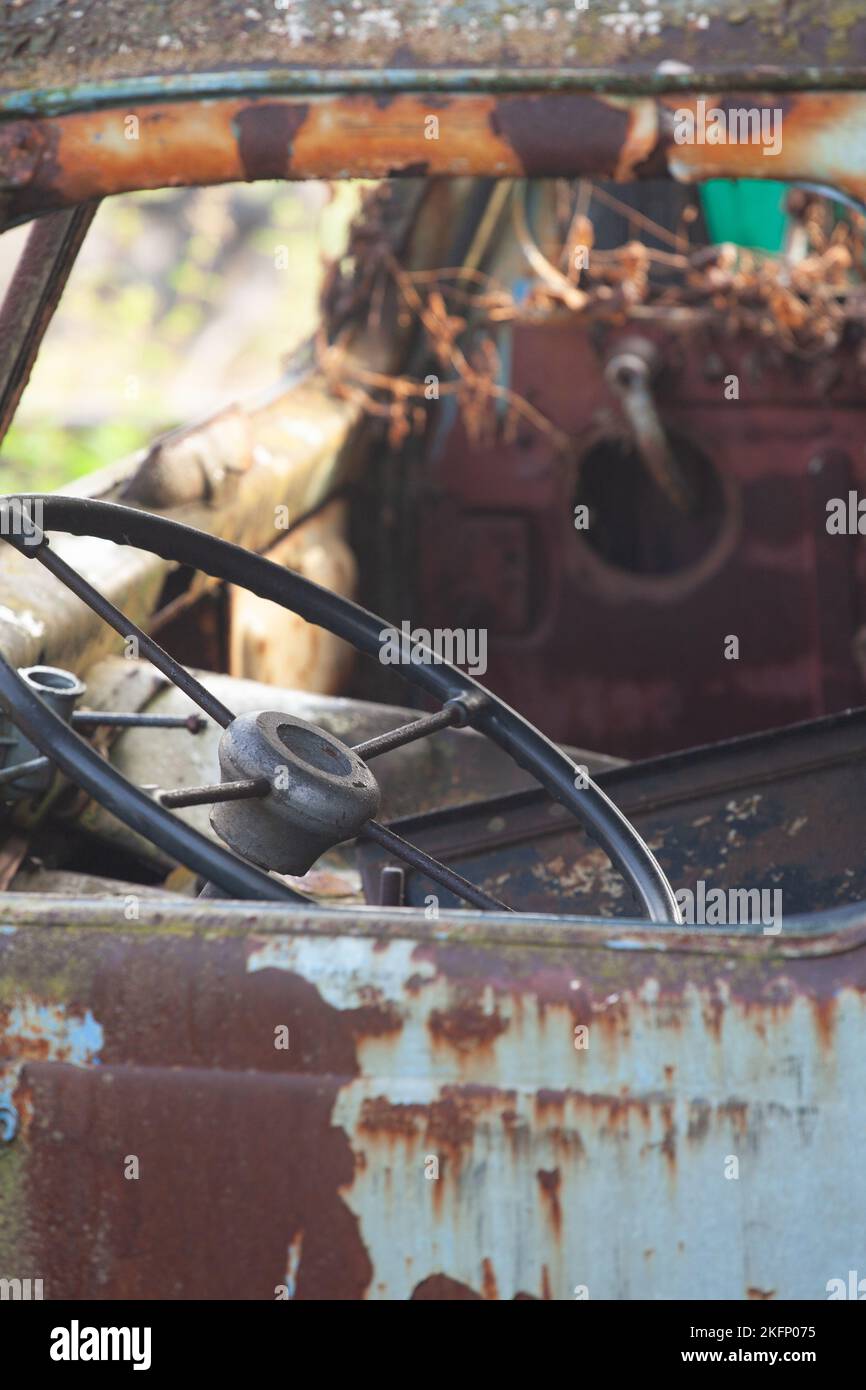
{"points": [[467, 1027], [488, 1281], [550, 1180]]}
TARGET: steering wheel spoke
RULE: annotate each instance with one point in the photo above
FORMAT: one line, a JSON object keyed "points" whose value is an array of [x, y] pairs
{"points": [[417, 859], [125, 627], [244, 789], [455, 714]]}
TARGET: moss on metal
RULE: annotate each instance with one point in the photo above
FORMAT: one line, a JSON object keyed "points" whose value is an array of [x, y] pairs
{"points": [[14, 1260], [49, 44]]}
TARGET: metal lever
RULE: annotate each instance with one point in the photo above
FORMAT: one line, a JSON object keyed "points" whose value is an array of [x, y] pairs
{"points": [[629, 372]]}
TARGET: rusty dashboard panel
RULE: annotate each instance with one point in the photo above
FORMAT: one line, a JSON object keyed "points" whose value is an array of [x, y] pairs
{"points": [[751, 810], [399, 1108]]}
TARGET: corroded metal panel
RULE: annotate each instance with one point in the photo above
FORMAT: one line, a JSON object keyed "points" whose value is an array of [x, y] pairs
{"points": [[464, 1107], [31, 298], [48, 162], [46, 44]]}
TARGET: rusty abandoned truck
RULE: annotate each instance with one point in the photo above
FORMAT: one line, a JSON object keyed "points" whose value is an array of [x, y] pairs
{"points": [[431, 794]]}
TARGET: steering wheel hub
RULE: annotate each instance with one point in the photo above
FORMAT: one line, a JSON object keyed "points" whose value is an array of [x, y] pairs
{"points": [[318, 792]]}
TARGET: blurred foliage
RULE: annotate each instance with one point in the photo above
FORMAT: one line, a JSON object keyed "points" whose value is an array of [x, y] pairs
{"points": [[38, 457], [182, 300]]}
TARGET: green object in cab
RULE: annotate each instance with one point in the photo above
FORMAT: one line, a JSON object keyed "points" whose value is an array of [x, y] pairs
{"points": [[749, 212]]}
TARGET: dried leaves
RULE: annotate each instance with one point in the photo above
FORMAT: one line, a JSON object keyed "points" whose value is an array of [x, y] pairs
{"points": [[802, 302]]}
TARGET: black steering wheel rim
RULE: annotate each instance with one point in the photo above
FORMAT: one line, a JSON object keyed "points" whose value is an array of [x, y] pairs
{"points": [[223, 560]]}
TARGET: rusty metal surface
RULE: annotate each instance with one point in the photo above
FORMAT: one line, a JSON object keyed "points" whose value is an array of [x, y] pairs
{"points": [[418, 1047], [51, 162], [32, 297], [53, 48], [641, 575], [748, 812]]}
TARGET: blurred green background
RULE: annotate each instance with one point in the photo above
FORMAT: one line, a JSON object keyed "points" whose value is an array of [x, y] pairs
{"points": [[181, 301]]}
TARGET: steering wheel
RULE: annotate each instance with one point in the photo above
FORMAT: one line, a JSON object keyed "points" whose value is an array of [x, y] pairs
{"points": [[289, 790]]}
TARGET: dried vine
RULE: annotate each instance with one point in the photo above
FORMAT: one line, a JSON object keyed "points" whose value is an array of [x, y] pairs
{"points": [[804, 306]]}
